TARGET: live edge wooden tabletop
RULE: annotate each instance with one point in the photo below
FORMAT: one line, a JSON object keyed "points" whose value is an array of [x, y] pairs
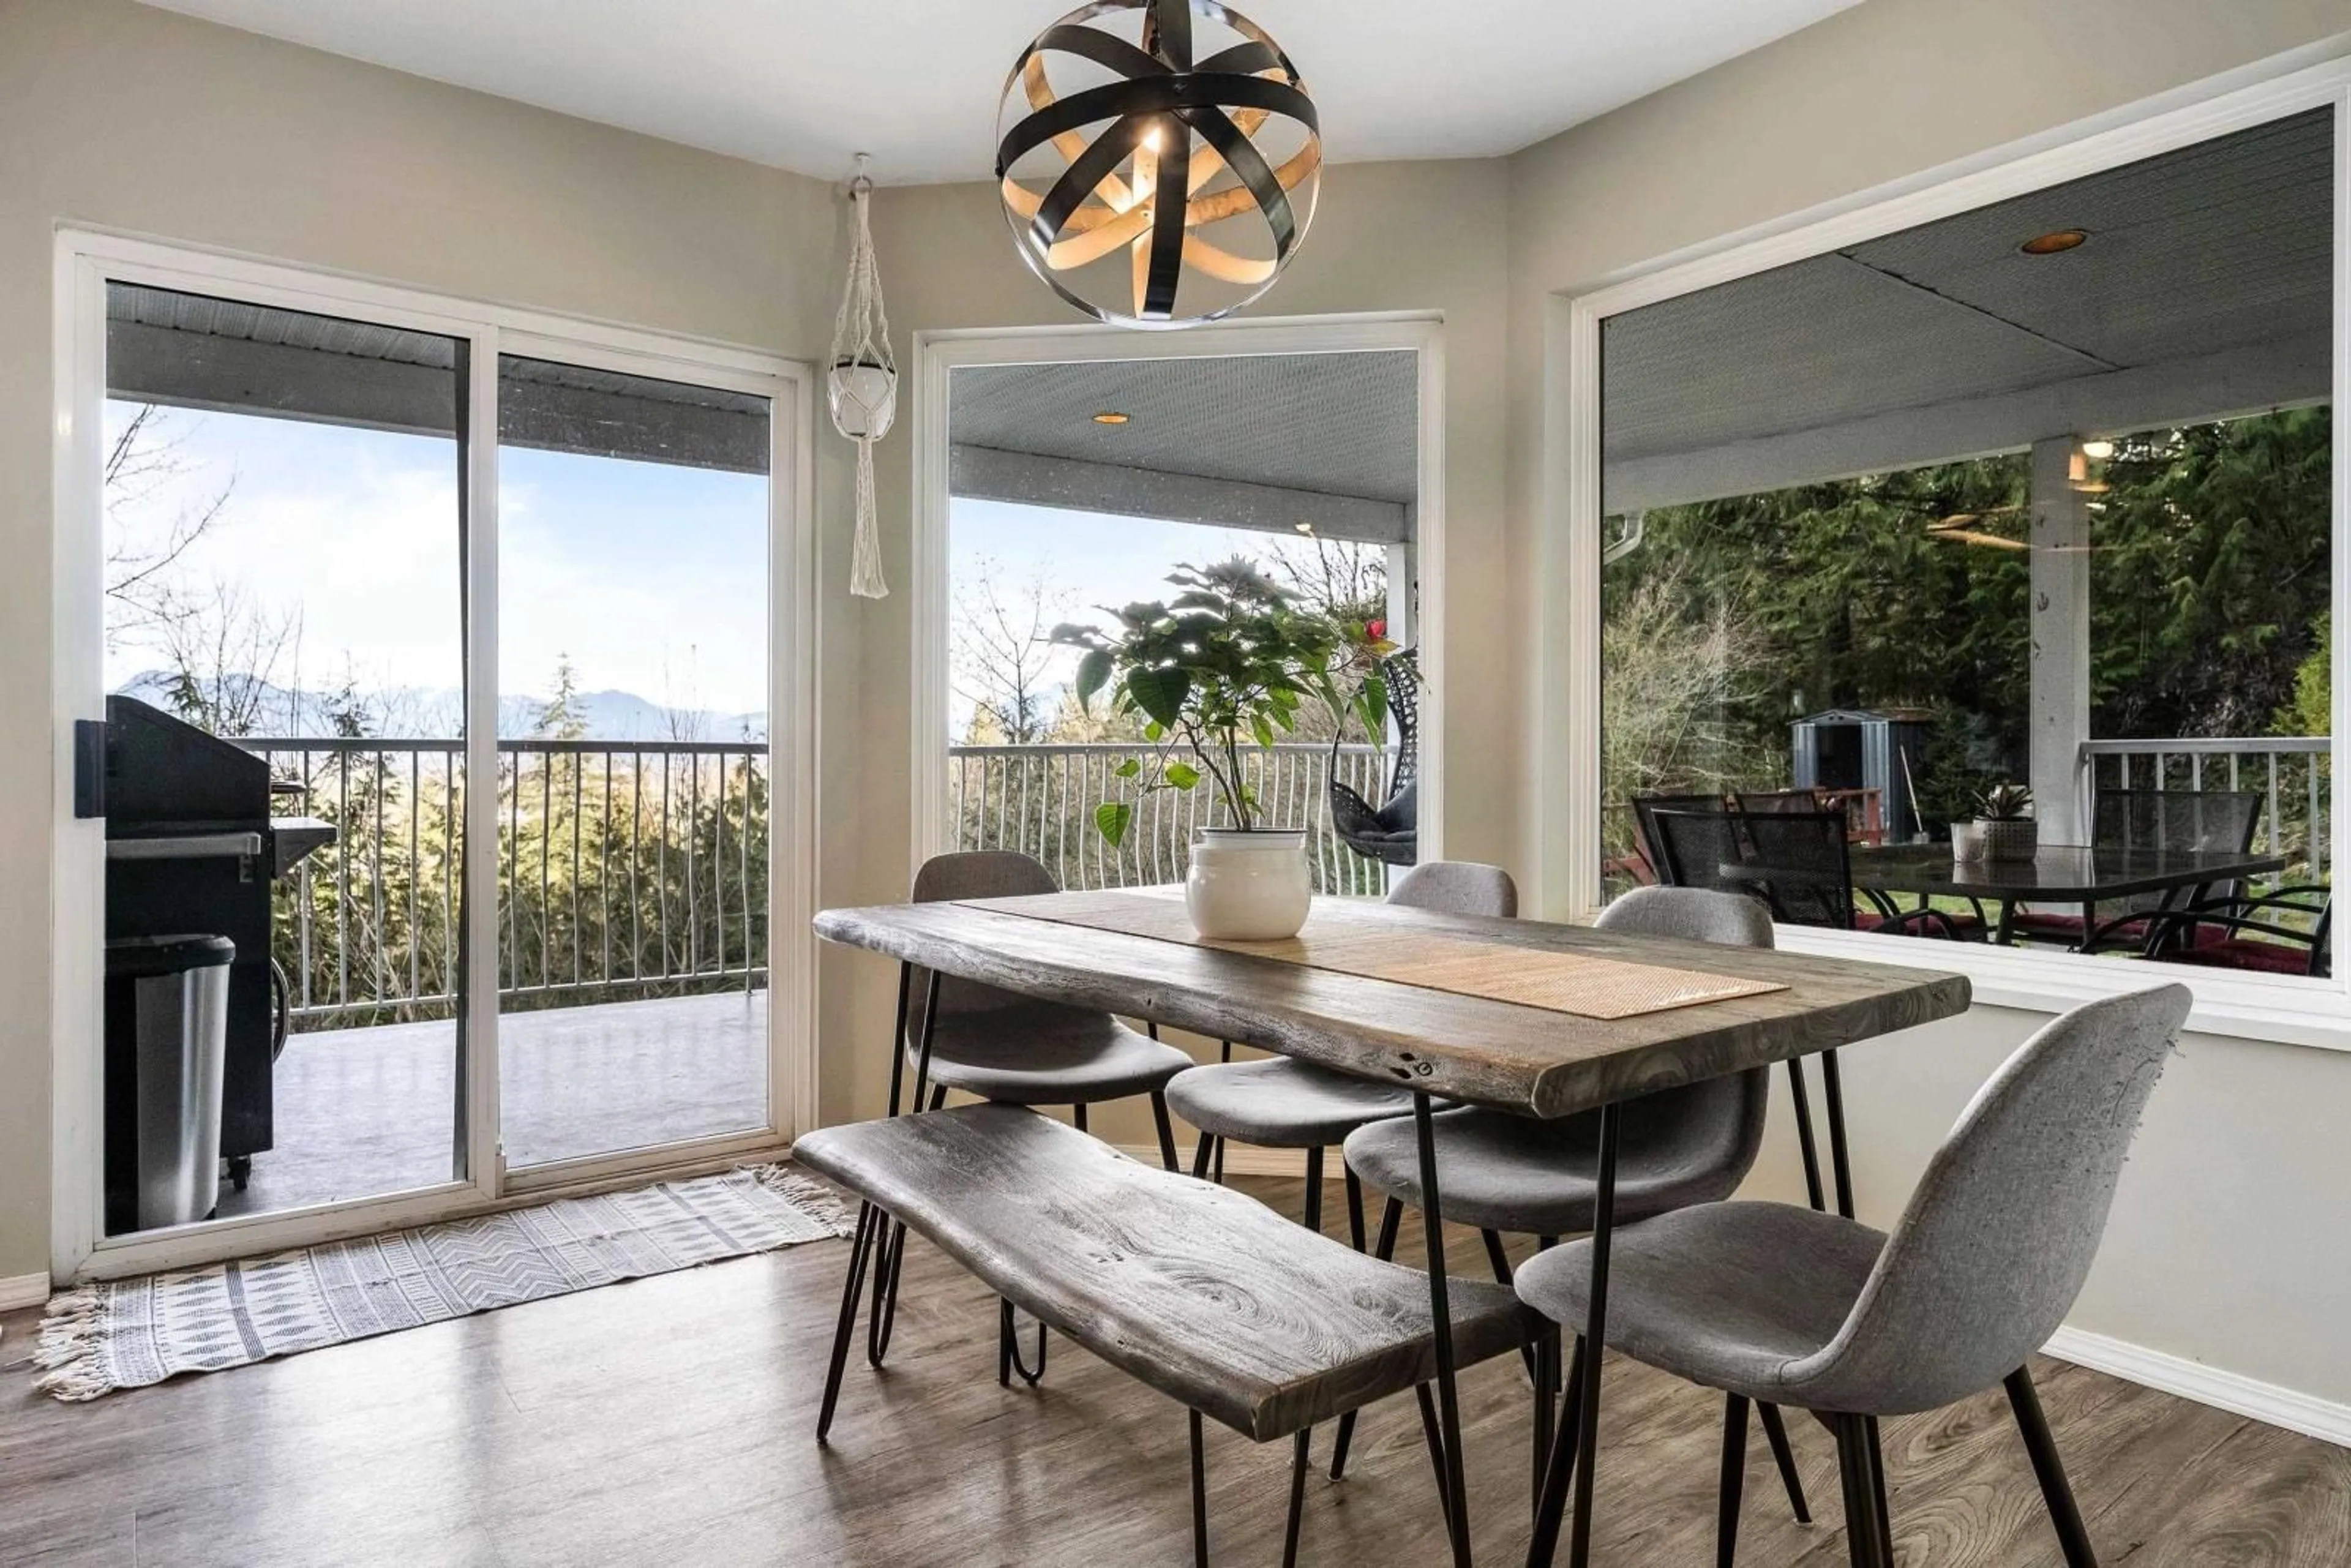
{"points": [[1500, 1054]]}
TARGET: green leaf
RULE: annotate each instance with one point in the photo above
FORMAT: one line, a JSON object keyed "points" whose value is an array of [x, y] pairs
{"points": [[1111, 820], [1155, 730], [1160, 692], [1183, 775], [1094, 674], [1128, 769], [1261, 730]]}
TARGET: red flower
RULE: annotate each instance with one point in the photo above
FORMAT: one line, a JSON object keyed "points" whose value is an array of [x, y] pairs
{"points": [[1375, 629]]}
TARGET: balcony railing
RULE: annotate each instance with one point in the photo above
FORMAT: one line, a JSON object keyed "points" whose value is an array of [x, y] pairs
{"points": [[2294, 773], [625, 868], [1041, 800]]}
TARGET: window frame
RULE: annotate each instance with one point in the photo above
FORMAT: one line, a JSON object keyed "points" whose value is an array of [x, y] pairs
{"points": [[938, 354], [2282, 1008]]}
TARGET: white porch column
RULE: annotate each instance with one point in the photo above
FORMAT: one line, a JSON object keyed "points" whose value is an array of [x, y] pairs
{"points": [[2061, 639]]}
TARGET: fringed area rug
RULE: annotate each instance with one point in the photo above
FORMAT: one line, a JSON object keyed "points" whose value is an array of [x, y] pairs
{"points": [[131, 1333]]}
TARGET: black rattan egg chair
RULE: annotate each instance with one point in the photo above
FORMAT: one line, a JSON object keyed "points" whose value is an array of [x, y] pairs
{"points": [[1389, 833]]}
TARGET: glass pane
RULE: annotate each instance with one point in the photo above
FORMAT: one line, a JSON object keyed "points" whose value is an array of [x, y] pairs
{"points": [[2039, 494], [633, 762], [1077, 489], [285, 651]]}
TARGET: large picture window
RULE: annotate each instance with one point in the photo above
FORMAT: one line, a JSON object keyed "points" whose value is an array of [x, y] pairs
{"points": [[1975, 583]]}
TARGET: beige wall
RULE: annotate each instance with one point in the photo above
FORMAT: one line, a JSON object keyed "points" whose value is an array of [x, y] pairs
{"points": [[116, 115], [2218, 1251]]}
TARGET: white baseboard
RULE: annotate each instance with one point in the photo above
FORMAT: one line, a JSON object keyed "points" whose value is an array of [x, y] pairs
{"points": [[2264, 1402], [1241, 1159], [23, 1291]]}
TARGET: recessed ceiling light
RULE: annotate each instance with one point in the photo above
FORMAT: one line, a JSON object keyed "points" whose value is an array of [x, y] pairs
{"points": [[1111, 416], [2056, 242]]}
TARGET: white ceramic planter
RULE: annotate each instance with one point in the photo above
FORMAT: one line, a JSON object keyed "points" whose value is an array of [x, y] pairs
{"points": [[1248, 886]]}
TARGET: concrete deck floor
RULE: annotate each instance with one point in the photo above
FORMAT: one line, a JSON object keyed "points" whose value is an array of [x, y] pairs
{"points": [[363, 1112]]}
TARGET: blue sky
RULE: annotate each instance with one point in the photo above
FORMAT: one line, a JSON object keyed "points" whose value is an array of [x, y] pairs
{"points": [[651, 578], [1085, 561]]}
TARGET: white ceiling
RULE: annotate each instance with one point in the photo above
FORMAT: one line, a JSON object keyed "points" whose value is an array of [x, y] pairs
{"points": [[2205, 290], [804, 85]]}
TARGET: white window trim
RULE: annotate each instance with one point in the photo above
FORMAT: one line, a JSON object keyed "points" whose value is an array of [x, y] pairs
{"points": [[2284, 1009], [939, 354], [84, 259]]}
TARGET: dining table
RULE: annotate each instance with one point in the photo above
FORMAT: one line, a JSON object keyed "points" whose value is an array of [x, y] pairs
{"points": [[2078, 875], [1537, 1018]]}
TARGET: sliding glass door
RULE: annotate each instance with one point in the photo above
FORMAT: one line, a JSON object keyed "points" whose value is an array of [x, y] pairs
{"points": [[425, 818], [283, 669], [632, 760]]}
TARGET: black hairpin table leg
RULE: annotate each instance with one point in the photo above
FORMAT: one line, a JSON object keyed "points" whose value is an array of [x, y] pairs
{"points": [[891, 1255], [1448, 1400], [1595, 1337], [1840, 1158]]}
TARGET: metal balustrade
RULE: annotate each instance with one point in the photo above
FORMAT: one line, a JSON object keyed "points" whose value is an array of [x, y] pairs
{"points": [[1041, 800], [2295, 775], [625, 868]]}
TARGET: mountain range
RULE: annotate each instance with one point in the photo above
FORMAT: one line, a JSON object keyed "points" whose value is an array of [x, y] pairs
{"points": [[414, 712]]}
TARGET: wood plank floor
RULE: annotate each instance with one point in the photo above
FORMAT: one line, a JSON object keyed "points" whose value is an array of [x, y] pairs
{"points": [[668, 1421]]}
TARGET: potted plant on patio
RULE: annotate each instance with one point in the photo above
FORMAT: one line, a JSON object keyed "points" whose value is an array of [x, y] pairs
{"points": [[1227, 663], [2003, 828]]}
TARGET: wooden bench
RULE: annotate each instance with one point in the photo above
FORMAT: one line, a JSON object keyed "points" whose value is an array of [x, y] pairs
{"points": [[1201, 1292]]}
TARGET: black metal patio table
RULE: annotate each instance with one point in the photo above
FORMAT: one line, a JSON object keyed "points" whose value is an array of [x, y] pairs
{"points": [[2087, 875]]}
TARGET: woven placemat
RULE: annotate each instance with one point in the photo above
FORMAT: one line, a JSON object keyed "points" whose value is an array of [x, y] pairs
{"points": [[1581, 984]]}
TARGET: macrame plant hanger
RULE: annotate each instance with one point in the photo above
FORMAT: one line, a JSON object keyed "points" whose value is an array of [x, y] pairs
{"points": [[861, 388]]}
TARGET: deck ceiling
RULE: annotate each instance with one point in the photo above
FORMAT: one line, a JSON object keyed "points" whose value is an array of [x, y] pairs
{"points": [[1247, 441], [192, 351], [2203, 291]]}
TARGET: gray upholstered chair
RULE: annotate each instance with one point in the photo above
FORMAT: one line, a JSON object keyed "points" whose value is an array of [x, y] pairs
{"points": [[1279, 1103], [1511, 1173], [997, 1045], [1769, 1301], [1000, 1046]]}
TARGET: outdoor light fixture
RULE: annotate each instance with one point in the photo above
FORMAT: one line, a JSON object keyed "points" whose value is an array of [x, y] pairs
{"points": [[1112, 416], [1180, 154], [2056, 242], [2097, 450]]}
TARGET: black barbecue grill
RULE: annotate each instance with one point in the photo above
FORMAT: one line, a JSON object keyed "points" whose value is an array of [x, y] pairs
{"points": [[191, 846]]}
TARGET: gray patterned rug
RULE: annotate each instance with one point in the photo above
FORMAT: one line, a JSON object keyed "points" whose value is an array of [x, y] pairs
{"points": [[131, 1333]]}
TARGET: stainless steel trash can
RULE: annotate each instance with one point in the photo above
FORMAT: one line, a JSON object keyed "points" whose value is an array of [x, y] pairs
{"points": [[166, 1043]]}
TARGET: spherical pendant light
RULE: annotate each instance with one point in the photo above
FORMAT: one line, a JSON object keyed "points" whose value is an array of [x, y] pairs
{"points": [[1144, 100]]}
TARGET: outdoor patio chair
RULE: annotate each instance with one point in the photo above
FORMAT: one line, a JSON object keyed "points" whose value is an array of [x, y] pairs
{"points": [[1803, 866], [2250, 933], [1693, 846], [1644, 830], [2149, 818], [1390, 833]]}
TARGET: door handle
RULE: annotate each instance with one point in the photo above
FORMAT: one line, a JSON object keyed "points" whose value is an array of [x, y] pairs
{"points": [[90, 768]]}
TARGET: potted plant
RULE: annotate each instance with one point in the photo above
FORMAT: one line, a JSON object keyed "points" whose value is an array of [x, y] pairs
{"points": [[2003, 828], [1226, 664]]}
